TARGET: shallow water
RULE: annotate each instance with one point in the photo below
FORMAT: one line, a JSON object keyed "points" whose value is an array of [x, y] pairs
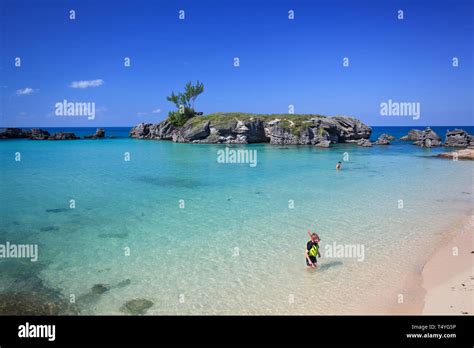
{"points": [[236, 247]]}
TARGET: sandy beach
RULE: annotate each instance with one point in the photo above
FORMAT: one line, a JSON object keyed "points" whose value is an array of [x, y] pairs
{"points": [[448, 276]]}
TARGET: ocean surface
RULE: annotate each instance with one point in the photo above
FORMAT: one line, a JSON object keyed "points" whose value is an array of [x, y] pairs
{"points": [[195, 236]]}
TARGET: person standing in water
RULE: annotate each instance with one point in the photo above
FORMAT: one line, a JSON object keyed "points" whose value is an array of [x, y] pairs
{"points": [[339, 165], [312, 251]]}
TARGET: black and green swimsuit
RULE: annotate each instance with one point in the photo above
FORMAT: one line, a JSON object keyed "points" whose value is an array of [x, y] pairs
{"points": [[313, 249]]}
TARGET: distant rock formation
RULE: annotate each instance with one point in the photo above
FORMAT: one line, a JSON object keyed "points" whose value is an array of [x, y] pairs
{"points": [[423, 138], [35, 134], [99, 133], [428, 138], [458, 138], [384, 139], [412, 135], [63, 136], [39, 134], [14, 133], [237, 128]]}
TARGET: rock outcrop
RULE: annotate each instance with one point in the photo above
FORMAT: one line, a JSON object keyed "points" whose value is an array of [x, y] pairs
{"points": [[364, 143], [236, 128], [384, 139], [39, 134], [428, 138], [14, 133], [35, 134], [458, 138], [63, 136], [467, 154], [162, 131], [423, 138], [412, 135], [99, 134]]}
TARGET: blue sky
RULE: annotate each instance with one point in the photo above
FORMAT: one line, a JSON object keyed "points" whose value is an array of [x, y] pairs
{"points": [[282, 61]]}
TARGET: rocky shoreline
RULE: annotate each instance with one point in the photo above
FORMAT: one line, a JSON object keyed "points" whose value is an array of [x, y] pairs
{"points": [[321, 131], [41, 134], [275, 129]]}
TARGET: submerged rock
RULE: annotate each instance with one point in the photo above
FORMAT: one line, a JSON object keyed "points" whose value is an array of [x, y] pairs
{"points": [[136, 306], [49, 228], [124, 283], [58, 210], [457, 138], [34, 304], [100, 288], [24, 293]]}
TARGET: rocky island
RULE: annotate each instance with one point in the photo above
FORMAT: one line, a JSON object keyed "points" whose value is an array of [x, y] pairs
{"points": [[240, 128]]}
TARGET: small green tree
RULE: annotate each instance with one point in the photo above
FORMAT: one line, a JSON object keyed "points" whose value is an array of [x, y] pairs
{"points": [[185, 103]]}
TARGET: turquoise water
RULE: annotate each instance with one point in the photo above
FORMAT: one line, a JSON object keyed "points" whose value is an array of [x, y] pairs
{"points": [[236, 247]]}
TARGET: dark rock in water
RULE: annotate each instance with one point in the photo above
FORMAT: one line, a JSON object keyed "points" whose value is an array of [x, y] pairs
{"points": [[100, 288], [24, 293], [384, 139], [39, 134], [364, 143], [63, 136], [49, 228], [17, 133], [124, 283], [59, 210], [136, 306], [428, 138], [33, 304], [412, 135], [13, 133], [457, 138], [99, 133]]}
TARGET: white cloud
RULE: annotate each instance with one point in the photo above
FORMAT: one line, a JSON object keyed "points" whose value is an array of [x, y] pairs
{"points": [[86, 84], [26, 91], [156, 111]]}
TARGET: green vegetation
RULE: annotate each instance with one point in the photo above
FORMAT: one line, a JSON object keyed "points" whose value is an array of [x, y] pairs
{"points": [[185, 103], [292, 122]]}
